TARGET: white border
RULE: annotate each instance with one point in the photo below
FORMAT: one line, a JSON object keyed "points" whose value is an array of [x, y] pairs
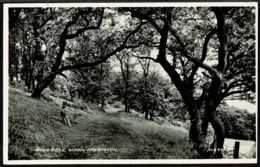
{"points": [[256, 74], [127, 161], [153, 4], [5, 85]]}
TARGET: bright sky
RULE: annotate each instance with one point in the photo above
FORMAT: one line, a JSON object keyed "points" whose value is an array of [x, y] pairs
{"points": [[251, 108]]}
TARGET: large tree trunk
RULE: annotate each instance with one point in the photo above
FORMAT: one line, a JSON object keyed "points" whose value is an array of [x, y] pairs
{"points": [[188, 99], [218, 129], [42, 85], [211, 114], [187, 96], [213, 118], [217, 126], [195, 127], [213, 98]]}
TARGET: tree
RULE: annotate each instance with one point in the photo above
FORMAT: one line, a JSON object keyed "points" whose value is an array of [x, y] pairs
{"points": [[13, 39], [66, 34], [145, 97], [26, 53], [62, 33], [127, 65], [181, 32], [207, 52], [238, 123], [91, 84]]}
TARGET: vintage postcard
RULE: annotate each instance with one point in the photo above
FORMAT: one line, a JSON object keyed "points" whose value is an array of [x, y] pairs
{"points": [[130, 83]]}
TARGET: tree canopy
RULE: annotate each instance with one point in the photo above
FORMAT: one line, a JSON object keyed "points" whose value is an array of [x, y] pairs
{"points": [[207, 52]]}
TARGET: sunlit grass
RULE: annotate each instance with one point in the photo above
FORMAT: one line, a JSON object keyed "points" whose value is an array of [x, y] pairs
{"points": [[35, 125]]}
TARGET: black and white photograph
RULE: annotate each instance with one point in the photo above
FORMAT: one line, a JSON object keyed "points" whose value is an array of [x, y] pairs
{"points": [[130, 83]]}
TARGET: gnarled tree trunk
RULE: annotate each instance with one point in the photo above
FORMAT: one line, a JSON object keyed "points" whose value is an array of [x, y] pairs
{"points": [[211, 104], [42, 85], [195, 127]]}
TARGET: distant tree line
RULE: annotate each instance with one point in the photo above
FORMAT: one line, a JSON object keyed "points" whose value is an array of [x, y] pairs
{"points": [[238, 123]]}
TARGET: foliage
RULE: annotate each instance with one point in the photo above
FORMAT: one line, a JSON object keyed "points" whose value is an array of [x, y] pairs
{"points": [[91, 84], [239, 124], [193, 38], [161, 98]]}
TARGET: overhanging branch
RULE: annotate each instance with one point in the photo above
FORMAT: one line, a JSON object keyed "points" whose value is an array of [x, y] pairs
{"points": [[104, 59], [204, 66]]}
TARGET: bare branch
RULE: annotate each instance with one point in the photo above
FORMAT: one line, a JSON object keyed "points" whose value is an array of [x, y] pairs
{"points": [[149, 58], [232, 85], [204, 66], [239, 86], [187, 54], [204, 51]]}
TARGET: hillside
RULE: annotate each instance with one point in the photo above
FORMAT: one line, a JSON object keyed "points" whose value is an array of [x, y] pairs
{"points": [[37, 132]]}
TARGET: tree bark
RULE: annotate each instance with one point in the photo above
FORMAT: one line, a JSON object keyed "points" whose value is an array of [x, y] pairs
{"points": [[218, 129], [217, 126], [195, 127], [194, 112], [213, 98], [145, 100], [42, 85], [211, 104], [126, 99], [187, 96]]}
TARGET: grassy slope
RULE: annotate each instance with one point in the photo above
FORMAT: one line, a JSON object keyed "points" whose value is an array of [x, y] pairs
{"points": [[36, 124]]}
